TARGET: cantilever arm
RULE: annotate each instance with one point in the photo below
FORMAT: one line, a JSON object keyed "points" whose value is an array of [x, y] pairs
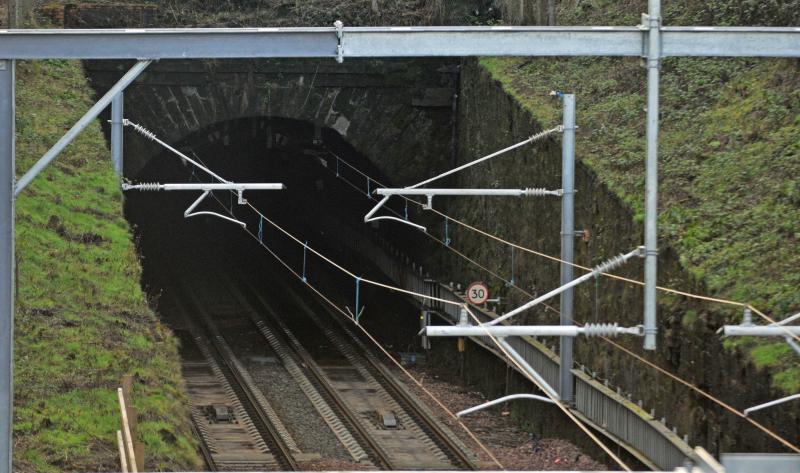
{"points": [[370, 216], [531, 139], [189, 211], [771, 403], [605, 267]]}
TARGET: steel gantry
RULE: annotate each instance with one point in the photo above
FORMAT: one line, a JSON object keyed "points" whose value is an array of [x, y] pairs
{"points": [[650, 40]]}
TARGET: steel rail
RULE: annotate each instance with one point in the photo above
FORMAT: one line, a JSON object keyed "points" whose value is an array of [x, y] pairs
{"points": [[363, 42], [450, 447], [268, 317], [278, 447], [386, 379], [281, 453], [205, 452]]}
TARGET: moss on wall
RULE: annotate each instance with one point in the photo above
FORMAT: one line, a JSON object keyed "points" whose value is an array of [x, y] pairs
{"points": [[491, 119], [729, 213], [82, 321], [729, 153]]}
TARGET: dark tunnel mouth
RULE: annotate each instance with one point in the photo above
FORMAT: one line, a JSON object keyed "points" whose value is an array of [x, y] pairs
{"points": [[316, 201]]}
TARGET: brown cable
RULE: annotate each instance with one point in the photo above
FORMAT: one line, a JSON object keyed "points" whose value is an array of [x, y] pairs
{"points": [[406, 372]]}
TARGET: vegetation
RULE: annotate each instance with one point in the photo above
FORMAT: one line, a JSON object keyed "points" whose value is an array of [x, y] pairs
{"points": [[729, 152], [240, 13], [82, 321]]}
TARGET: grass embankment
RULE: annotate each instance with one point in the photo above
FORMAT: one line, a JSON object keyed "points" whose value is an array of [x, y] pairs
{"points": [[82, 320], [729, 156]]}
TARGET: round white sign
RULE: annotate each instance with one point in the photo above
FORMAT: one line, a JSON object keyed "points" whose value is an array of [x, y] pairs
{"points": [[478, 293]]}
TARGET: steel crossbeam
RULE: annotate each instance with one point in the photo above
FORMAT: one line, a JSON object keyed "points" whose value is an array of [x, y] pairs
{"points": [[372, 42]]}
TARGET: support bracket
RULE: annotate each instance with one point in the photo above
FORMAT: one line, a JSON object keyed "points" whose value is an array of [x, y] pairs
{"points": [[81, 124], [340, 37], [207, 188]]}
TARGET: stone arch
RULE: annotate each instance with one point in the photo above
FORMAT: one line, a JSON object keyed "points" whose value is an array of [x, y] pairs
{"points": [[400, 113]]}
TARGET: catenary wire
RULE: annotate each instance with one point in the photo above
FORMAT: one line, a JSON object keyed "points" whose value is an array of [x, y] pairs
{"points": [[464, 305], [614, 344], [559, 260], [376, 342], [394, 288]]}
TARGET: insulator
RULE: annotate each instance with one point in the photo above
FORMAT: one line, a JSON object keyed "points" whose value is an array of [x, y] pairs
{"points": [[536, 191], [600, 330], [542, 134], [142, 130], [148, 186], [613, 263], [540, 191]]}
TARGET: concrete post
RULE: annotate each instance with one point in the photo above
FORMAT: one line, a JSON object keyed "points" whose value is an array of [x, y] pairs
{"points": [[117, 104], [7, 80], [567, 242]]}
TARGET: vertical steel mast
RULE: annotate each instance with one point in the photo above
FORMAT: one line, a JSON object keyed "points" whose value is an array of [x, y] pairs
{"points": [[567, 242], [7, 180], [651, 180]]}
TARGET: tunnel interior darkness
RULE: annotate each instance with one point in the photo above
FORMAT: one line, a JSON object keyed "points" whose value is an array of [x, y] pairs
{"points": [[208, 252]]}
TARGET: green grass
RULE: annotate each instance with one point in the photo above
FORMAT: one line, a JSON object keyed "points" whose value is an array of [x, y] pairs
{"points": [[729, 154], [82, 321]]}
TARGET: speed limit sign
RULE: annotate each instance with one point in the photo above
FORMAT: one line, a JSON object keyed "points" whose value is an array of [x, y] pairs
{"points": [[478, 293]]}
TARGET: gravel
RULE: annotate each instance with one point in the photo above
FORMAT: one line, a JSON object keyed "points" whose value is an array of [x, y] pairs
{"points": [[515, 448], [299, 416], [333, 465]]}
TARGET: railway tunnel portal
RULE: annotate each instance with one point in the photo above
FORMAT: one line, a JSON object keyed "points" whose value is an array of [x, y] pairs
{"points": [[253, 299], [330, 133]]}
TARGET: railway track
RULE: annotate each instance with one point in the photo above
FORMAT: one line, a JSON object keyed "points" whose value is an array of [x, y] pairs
{"points": [[377, 422], [250, 436], [395, 430]]}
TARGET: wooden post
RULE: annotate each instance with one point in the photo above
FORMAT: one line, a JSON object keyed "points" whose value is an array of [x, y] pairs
{"points": [[123, 461], [133, 420], [138, 448], [126, 431]]}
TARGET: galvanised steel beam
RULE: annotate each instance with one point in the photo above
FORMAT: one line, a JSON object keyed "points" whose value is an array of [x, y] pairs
{"points": [[117, 115], [395, 42], [6, 259], [652, 21], [87, 119], [736, 41], [566, 382], [650, 40]]}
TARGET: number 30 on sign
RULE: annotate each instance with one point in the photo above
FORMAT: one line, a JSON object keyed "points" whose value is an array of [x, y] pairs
{"points": [[478, 293]]}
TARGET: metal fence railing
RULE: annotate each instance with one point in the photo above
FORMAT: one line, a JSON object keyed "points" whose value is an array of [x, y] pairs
{"points": [[621, 420]]}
